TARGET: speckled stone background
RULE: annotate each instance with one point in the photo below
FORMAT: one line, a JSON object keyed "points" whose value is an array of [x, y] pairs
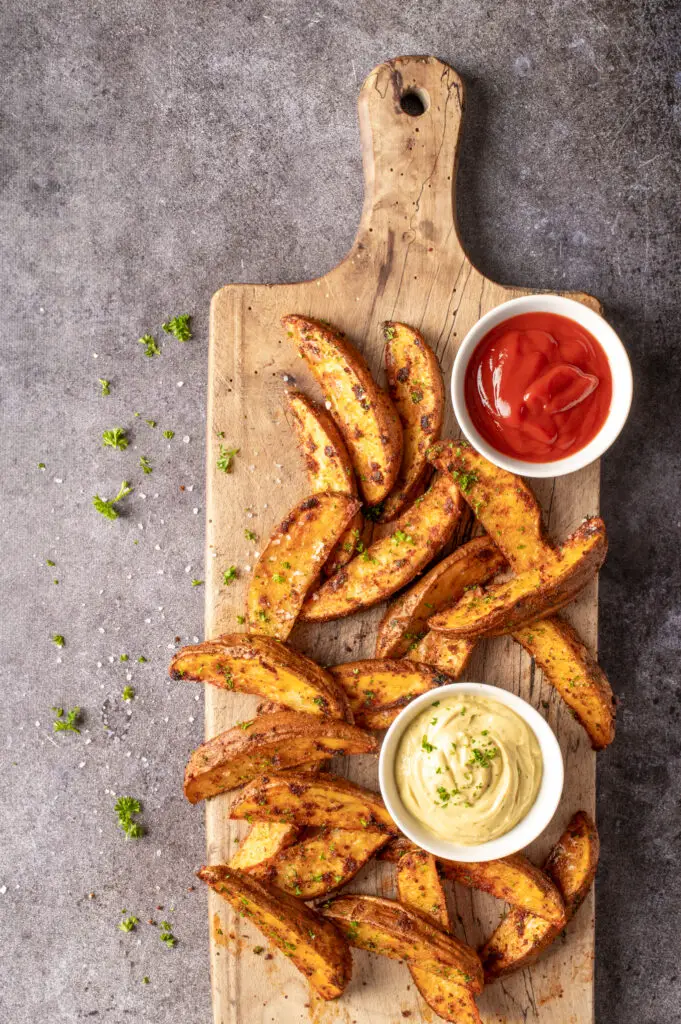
{"points": [[152, 151]]}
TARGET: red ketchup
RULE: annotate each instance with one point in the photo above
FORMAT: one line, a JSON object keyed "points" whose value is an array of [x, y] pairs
{"points": [[538, 387]]}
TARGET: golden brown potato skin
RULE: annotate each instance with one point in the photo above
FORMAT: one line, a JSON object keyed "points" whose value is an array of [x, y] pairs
{"points": [[281, 740], [447, 654], [393, 561], [377, 690], [522, 937], [312, 944], [263, 666], [406, 620], [501, 501], [402, 933], [416, 388], [315, 867], [264, 840], [302, 799], [292, 561], [513, 879], [532, 594], [573, 671], [328, 466], [419, 887], [363, 412]]}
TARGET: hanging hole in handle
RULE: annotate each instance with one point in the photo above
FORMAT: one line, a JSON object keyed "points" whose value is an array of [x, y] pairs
{"points": [[415, 102]]}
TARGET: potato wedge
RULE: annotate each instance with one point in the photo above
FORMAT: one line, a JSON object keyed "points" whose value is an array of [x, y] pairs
{"points": [[394, 560], [265, 667], [316, 866], [393, 930], [416, 388], [312, 944], [377, 690], [570, 668], [264, 840], [532, 594], [268, 743], [419, 887], [513, 879], [300, 799], [328, 467], [501, 501], [522, 937], [292, 561], [445, 653], [406, 620], [396, 849], [363, 412]]}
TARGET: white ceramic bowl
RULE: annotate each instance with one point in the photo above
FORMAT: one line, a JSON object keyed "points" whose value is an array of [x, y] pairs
{"points": [[535, 821], [620, 369]]}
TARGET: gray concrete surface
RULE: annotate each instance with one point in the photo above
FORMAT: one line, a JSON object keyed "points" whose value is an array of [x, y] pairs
{"points": [[150, 153]]}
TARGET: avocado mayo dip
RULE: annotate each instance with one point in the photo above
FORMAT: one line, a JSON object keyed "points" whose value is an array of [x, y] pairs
{"points": [[468, 768]]}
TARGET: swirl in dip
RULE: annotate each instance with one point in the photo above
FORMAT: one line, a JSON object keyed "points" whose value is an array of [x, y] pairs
{"points": [[468, 768]]}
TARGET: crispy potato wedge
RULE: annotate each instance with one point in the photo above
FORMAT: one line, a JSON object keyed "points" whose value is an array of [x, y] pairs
{"points": [[522, 937], [300, 799], [501, 501], [316, 866], [394, 560], [396, 849], [265, 667], [264, 840], [445, 653], [514, 879], [268, 743], [387, 927], [570, 668], [328, 467], [292, 561], [532, 594], [419, 887], [406, 620], [312, 944], [377, 690], [416, 388], [363, 412]]}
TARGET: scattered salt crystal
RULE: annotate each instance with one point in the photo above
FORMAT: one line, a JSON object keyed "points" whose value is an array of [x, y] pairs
{"points": [[180, 383], [186, 438]]}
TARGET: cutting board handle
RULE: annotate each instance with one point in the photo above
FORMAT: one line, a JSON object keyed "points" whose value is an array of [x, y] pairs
{"points": [[410, 112]]}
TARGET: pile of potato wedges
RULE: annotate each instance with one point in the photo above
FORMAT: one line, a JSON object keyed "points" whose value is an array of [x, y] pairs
{"points": [[387, 504]]}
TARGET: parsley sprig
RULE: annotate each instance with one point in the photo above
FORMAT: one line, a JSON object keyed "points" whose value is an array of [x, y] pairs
{"points": [[179, 327], [126, 807], [68, 722], [106, 508], [150, 346], [226, 458], [115, 438]]}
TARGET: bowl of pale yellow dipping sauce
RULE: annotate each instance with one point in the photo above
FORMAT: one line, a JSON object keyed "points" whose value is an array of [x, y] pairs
{"points": [[471, 772]]}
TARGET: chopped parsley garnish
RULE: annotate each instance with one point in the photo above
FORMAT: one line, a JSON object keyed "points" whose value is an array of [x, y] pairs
{"points": [[105, 385], [428, 747], [197, 583], [41, 465], [249, 535], [179, 327], [115, 438], [126, 807], [373, 512], [167, 936], [226, 458], [389, 332], [106, 508], [278, 578], [48, 561], [141, 659], [58, 639], [263, 616], [417, 396], [150, 346], [400, 537], [128, 923], [241, 619], [246, 725], [145, 464], [443, 793], [66, 723], [169, 434], [124, 657], [286, 565], [145, 979], [229, 575], [128, 693], [465, 480], [258, 950], [483, 758]]}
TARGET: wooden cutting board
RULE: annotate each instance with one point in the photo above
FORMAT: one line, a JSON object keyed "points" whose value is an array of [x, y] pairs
{"points": [[407, 264]]}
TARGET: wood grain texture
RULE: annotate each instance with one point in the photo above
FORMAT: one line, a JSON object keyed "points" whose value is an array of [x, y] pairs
{"points": [[406, 264]]}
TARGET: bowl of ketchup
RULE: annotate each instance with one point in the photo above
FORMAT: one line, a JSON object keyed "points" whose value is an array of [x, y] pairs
{"points": [[541, 385]]}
